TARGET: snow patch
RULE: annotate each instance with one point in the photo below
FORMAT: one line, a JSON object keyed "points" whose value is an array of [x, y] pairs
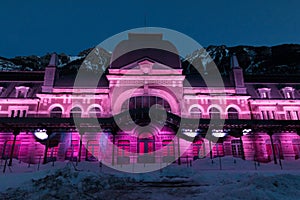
{"points": [[238, 179]]}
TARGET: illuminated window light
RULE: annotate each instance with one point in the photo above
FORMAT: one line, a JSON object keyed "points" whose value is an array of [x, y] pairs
{"points": [[41, 134]]}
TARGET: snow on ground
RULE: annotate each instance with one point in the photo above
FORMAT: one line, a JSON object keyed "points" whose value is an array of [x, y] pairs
{"points": [[235, 179]]}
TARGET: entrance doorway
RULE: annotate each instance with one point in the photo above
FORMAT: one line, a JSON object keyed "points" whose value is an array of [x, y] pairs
{"points": [[146, 148]]}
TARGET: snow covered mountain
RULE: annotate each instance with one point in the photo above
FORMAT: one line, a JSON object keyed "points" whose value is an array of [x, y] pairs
{"points": [[281, 59], [67, 63]]}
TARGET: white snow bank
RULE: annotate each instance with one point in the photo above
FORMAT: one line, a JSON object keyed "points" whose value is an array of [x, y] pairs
{"points": [[238, 179]]}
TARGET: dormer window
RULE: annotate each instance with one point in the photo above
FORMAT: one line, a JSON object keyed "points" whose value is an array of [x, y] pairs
{"points": [[21, 91], [264, 93], [288, 92]]}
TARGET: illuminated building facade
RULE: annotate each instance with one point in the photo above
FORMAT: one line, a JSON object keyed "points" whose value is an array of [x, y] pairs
{"points": [[261, 113]]}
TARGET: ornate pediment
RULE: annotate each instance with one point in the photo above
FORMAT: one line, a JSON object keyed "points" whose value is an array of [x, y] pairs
{"points": [[146, 66]]}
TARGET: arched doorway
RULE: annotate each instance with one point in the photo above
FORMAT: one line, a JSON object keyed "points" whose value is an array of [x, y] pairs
{"points": [[146, 148]]}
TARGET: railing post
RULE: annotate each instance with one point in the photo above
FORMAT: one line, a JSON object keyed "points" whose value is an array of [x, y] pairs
{"points": [[242, 148], [15, 132], [210, 150], [49, 133], [113, 149], [270, 133], [178, 146], [46, 151], [81, 133]]}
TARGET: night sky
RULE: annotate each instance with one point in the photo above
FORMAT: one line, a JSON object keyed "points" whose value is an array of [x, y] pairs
{"points": [[38, 27]]}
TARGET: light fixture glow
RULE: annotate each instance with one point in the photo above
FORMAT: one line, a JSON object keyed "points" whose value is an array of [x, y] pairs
{"points": [[246, 131], [218, 133], [189, 132], [41, 134]]}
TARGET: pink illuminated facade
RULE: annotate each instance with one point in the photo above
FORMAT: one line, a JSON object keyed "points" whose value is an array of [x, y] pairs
{"points": [[142, 80]]}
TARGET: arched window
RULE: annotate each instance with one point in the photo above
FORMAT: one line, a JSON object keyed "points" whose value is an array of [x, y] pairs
{"points": [[75, 112], [56, 112], [196, 112], [95, 112], [233, 113], [214, 113]]}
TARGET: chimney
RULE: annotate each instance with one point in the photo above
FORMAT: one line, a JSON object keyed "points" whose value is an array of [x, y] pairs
{"points": [[237, 76], [50, 74]]}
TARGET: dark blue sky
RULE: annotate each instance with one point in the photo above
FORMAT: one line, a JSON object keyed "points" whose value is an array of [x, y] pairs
{"points": [[37, 27]]}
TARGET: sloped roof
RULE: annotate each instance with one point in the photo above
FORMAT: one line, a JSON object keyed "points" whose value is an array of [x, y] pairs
{"points": [[196, 80], [12, 79], [90, 80], [140, 45]]}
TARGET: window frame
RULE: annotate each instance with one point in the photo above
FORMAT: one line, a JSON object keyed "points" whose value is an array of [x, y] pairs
{"points": [[265, 93], [288, 92]]}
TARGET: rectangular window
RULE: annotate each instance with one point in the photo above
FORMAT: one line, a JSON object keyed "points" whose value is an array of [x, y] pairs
{"points": [[72, 151], [264, 93], [198, 149], [123, 148], [24, 113], [268, 114], [8, 147], [296, 116], [296, 147], [277, 149], [141, 148], [271, 115], [18, 113], [292, 115], [92, 150], [123, 152], [168, 148], [53, 151], [218, 150], [236, 147], [264, 115], [150, 148], [288, 115], [12, 114]]}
